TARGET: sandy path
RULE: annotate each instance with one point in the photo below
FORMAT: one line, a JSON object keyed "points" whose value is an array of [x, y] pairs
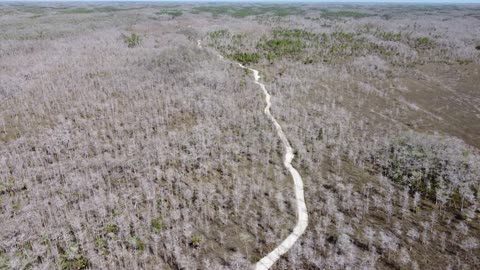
{"points": [[302, 215]]}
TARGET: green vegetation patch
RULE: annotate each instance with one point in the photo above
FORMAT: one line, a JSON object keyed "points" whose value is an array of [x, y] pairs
{"points": [[196, 241], [136, 243], [284, 11], [424, 43], [294, 33], [73, 259], [132, 41], [283, 47], [214, 10], [286, 43], [343, 37], [110, 9], [296, 44], [388, 36], [440, 169], [79, 11], [157, 224], [76, 263], [242, 12], [93, 10], [111, 228], [342, 14], [32, 9], [172, 12], [101, 245], [4, 261], [245, 57], [218, 34]]}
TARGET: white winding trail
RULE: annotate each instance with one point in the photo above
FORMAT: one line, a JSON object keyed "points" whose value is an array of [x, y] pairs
{"points": [[302, 215]]}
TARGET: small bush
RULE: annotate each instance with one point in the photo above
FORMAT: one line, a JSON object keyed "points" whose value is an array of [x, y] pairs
{"points": [[196, 240], [77, 263], [157, 224], [136, 243], [111, 228], [101, 245], [72, 259], [132, 40]]}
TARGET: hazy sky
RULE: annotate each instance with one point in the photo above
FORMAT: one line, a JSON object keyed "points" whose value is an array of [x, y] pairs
{"points": [[272, 1], [337, 1], [347, 1]]}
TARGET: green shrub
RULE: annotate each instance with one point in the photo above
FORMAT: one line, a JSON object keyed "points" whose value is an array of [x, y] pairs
{"points": [[218, 34], [4, 261], [72, 259], [424, 43], [101, 245], [245, 58], [196, 240], [464, 61], [294, 33], [270, 56], [111, 228], [157, 224], [136, 243], [77, 263], [343, 36], [391, 36], [132, 40]]}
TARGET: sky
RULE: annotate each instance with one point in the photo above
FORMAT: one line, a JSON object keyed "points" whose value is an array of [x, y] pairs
{"points": [[347, 1], [280, 1], [291, 1], [335, 1]]}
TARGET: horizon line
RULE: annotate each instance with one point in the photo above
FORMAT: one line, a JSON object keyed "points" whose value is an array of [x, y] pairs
{"points": [[257, 1]]}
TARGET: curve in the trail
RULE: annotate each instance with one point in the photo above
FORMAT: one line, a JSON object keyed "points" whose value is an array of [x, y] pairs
{"points": [[302, 215]]}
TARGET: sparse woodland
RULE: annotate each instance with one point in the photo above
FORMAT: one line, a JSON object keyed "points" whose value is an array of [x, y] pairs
{"points": [[125, 146]]}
